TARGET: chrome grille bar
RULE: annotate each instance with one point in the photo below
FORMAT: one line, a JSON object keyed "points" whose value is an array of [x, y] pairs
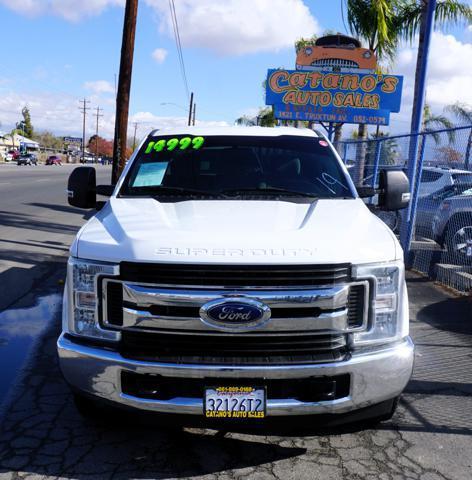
{"points": [[312, 309]]}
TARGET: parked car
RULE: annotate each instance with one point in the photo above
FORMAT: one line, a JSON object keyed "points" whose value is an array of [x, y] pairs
{"points": [[452, 225], [12, 155], [237, 277], [87, 158], [53, 160], [27, 159], [434, 179], [429, 205]]}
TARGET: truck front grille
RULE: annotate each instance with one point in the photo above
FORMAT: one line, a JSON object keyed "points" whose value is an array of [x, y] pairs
{"points": [[235, 275], [157, 309], [219, 348]]}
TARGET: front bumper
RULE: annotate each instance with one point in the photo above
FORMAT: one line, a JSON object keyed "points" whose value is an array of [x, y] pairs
{"points": [[376, 376]]}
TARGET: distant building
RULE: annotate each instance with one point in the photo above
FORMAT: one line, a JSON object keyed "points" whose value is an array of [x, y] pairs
{"points": [[16, 142]]}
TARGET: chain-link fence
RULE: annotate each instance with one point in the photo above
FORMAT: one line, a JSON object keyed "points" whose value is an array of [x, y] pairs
{"points": [[439, 220]]}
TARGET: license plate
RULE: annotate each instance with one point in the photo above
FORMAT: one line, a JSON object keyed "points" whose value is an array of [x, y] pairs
{"points": [[235, 402]]}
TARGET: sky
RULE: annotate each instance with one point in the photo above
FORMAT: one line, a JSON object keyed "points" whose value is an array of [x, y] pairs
{"points": [[57, 52]]}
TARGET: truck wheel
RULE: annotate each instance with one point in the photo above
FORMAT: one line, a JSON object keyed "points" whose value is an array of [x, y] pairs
{"points": [[458, 239]]}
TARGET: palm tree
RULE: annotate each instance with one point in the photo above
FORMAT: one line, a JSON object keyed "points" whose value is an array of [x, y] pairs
{"points": [[383, 23], [412, 20], [463, 112], [264, 118], [432, 122], [375, 22]]}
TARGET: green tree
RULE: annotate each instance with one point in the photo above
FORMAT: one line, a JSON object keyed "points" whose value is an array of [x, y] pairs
{"points": [[384, 23], [264, 118], [302, 43], [412, 21], [388, 154], [463, 113], [49, 140], [376, 23], [25, 125], [432, 122]]}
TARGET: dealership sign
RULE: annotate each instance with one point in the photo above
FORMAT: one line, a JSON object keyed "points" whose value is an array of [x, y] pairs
{"points": [[331, 114], [333, 97]]}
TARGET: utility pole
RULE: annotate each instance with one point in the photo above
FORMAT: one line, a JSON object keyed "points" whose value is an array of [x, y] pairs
{"points": [[96, 133], [84, 109], [124, 87], [193, 116], [190, 110], [134, 136]]}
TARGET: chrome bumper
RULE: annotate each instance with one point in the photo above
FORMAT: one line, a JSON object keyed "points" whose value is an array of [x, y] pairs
{"points": [[375, 376]]}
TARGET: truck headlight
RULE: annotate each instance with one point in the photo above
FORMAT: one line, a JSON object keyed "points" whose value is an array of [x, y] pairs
{"points": [[81, 316], [388, 312]]}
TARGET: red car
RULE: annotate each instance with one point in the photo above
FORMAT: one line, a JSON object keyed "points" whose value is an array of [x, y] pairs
{"points": [[53, 160]]}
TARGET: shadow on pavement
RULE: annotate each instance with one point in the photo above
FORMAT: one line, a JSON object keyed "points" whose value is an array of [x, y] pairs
{"points": [[452, 314], [64, 208]]}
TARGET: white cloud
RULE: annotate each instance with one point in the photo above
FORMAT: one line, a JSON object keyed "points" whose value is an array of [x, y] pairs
{"points": [[159, 54], [235, 27], [71, 10], [150, 121], [60, 114], [448, 81], [229, 27], [99, 86]]}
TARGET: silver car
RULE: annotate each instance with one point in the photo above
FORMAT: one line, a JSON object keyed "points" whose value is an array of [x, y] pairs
{"points": [[452, 225]]}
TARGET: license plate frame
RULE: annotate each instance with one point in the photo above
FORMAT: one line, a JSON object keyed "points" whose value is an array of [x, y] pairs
{"points": [[247, 404]]}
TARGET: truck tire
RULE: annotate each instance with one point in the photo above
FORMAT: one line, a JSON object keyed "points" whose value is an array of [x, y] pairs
{"points": [[458, 238]]}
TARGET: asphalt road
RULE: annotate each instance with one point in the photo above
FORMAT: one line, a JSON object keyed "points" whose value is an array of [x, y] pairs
{"points": [[37, 225], [43, 436]]}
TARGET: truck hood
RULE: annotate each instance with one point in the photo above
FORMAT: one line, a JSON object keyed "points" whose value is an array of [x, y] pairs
{"points": [[236, 231]]}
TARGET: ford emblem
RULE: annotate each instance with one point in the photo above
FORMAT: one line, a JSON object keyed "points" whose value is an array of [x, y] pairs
{"points": [[235, 314]]}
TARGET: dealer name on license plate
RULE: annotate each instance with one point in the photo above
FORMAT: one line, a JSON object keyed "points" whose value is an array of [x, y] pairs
{"points": [[235, 402]]}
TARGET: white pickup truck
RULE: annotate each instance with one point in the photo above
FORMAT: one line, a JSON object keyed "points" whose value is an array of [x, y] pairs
{"points": [[235, 273]]}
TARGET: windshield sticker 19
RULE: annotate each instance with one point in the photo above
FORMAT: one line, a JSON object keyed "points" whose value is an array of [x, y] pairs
{"points": [[172, 143]]}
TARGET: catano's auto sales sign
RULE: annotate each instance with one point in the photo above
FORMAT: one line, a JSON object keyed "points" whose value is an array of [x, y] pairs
{"points": [[333, 97]]}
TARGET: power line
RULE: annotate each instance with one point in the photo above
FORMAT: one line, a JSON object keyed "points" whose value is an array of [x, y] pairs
{"points": [[84, 109], [178, 43]]}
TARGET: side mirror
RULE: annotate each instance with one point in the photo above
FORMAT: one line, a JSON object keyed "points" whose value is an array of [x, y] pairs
{"points": [[81, 188], [394, 190]]}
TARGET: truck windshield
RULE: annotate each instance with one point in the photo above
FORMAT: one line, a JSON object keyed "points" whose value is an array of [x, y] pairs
{"points": [[236, 166]]}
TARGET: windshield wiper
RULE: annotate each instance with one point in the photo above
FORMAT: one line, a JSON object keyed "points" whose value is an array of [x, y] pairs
{"points": [[269, 190]]}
